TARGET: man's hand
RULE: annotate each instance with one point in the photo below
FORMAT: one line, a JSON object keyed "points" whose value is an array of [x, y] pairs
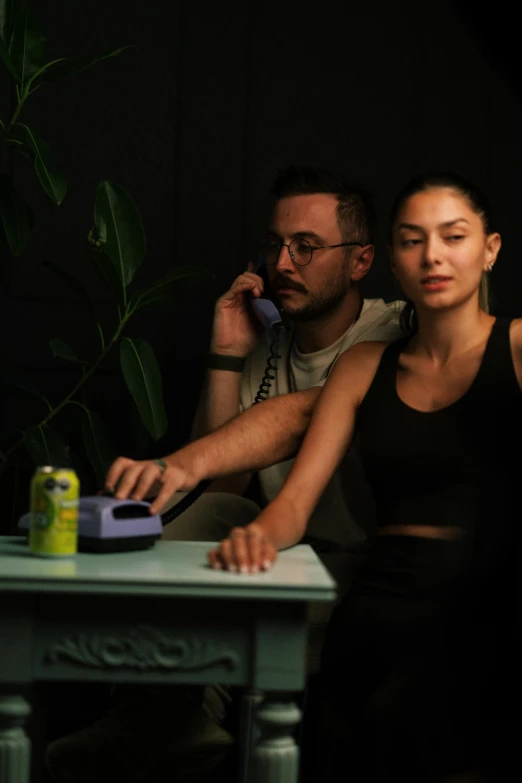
{"points": [[137, 479], [236, 330], [247, 550]]}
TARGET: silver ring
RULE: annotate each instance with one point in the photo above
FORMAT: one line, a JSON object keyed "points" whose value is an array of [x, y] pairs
{"points": [[160, 463]]}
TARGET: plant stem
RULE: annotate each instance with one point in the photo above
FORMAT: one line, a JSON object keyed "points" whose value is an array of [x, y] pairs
{"points": [[79, 404], [86, 375], [100, 332], [19, 106]]}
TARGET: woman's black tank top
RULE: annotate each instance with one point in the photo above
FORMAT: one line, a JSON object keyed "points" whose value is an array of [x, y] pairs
{"points": [[453, 466]]}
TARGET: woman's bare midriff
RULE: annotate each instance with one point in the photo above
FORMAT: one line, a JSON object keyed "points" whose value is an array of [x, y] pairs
{"points": [[421, 531]]}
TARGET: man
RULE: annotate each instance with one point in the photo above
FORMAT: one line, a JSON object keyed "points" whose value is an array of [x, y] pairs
{"points": [[317, 249]]}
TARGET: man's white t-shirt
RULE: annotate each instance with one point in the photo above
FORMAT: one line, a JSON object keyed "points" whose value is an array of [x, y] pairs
{"points": [[345, 513]]}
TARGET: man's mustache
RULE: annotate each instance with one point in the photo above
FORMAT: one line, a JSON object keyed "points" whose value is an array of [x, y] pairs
{"points": [[285, 282]]}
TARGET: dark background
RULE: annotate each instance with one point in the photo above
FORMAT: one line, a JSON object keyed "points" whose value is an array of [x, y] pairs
{"points": [[195, 123]]}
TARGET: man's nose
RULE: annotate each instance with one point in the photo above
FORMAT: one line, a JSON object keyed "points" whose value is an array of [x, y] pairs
{"points": [[284, 261]]}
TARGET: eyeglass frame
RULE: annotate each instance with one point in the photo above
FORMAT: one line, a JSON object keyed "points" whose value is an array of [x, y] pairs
{"points": [[281, 245]]}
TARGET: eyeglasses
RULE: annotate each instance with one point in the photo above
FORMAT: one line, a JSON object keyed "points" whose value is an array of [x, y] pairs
{"points": [[299, 250]]}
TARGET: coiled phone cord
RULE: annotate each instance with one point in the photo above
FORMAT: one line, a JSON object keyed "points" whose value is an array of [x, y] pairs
{"points": [[271, 367], [185, 502], [261, 395]]}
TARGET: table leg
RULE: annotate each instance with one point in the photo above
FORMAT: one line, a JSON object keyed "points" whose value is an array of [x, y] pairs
{"points": [[248, 732], [15, 747], [275, 757]]}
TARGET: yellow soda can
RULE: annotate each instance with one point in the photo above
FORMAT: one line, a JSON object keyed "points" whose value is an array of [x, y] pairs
{"points": [[53, 529]]}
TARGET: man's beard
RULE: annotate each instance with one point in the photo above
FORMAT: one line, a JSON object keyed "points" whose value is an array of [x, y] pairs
{"points": [[320, 304]]}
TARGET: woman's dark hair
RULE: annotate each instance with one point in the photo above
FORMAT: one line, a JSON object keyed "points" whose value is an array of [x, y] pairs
{"points": [[476, 199]]}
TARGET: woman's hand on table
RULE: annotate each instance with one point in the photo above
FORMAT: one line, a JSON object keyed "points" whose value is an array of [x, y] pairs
{"points": [[247, 550]]}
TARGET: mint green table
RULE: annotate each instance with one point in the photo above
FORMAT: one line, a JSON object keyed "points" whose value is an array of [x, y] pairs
{"points": [[159, 616]]}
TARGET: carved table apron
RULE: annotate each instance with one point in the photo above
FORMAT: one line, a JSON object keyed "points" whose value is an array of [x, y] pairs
{"points": [[159, 616]]}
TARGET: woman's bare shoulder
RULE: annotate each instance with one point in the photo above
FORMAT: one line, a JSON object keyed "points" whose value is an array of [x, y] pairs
{"points": [[360, 363], [516, 328], [516, 346], [516, 334]]}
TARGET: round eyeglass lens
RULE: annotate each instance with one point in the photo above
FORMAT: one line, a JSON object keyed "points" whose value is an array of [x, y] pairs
{"points": [[300, 251]]}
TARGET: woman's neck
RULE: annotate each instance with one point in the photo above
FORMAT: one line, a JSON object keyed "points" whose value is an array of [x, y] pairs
{"points": [[445, 334]]}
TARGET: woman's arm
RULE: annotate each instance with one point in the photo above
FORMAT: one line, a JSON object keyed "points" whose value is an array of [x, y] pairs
{"points": [[283, 522], [516, 347]]}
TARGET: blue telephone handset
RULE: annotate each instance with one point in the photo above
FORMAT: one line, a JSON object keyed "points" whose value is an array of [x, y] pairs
{"points": [[267, 312], [265, 309]]}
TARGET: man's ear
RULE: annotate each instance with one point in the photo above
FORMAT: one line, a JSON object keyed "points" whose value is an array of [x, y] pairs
{"points": [[363, 260]]}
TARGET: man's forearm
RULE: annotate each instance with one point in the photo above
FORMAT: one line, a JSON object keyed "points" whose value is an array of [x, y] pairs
{"points": [[261, 436], [218, 403]]}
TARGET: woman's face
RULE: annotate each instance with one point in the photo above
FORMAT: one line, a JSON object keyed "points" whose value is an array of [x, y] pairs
{"points": [[440, 249]]}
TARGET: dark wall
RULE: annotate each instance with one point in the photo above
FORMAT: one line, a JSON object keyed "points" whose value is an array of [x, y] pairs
{"points": [[196, 122]]}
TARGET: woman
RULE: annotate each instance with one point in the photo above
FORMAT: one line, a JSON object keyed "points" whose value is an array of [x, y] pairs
{"points": [[419, 661]]}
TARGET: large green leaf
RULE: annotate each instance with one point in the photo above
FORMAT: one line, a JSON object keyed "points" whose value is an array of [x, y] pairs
{"points": [[14, 215], [52, 181], [60, 69], [105, 269], [63, 350], [36, 79], [119, 229], [143, 378], [46, 447], [4, 54], [27, 45], [98, 444], [73, 285], [178, 275], [9, 10]]}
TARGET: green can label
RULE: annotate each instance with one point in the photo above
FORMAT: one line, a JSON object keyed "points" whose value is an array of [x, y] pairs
{"points": [[55, 496]]}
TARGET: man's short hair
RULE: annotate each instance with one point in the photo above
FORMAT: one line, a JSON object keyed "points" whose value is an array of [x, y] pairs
{"points": [[355, 210]]}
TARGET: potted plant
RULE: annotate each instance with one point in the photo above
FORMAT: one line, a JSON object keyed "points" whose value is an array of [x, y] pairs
{"points": [[117, 248]]}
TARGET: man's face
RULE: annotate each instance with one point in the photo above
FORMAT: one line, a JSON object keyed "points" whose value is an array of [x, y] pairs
{"points": [[307, 292]]}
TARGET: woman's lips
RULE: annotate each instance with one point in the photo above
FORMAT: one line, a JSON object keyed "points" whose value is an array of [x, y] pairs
{"points": [[435, 282]]}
